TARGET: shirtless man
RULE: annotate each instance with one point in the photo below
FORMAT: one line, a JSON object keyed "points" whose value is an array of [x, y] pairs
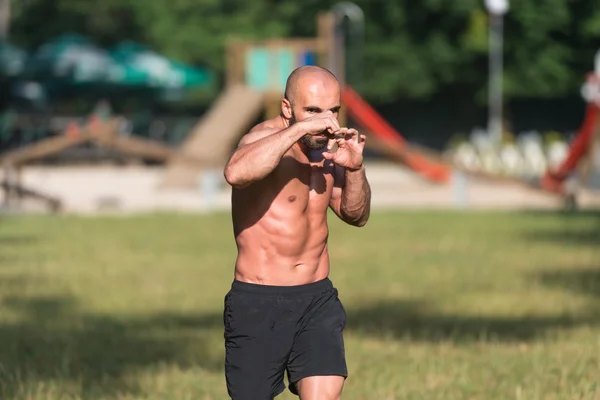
{"points": [[282, 312]]}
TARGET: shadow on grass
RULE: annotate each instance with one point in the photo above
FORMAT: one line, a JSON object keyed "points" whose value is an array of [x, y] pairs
{"points": [[581, 281], [53, 340], [9, 243], [418, 321], [576, 228], [6, 241], [415, 321], [587, 236]]}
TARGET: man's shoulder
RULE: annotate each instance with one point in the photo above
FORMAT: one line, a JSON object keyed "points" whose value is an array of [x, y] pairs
{"points": [[261, 130], [268, 125]]}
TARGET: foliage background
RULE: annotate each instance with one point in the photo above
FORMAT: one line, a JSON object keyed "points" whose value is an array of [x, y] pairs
{"points": [[425, 60]]}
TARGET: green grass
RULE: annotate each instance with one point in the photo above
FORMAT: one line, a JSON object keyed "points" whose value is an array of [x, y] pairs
{"points": [[440, 306]]}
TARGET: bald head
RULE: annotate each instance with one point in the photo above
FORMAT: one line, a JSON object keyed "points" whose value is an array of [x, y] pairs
{"points": [[310, 91], [306, 77]]}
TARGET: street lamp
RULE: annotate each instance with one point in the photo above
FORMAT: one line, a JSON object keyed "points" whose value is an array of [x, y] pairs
{"points": [[356, 29], [4, 19], [496, 9]]}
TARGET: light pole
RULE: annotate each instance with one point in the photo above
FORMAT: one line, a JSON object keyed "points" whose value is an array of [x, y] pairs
{"points": [[4, 19], [356, 29], [496, 9]]}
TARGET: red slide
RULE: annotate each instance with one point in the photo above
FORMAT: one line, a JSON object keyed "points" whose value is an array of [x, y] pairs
{"points": [[553, 180], [369, 119]]}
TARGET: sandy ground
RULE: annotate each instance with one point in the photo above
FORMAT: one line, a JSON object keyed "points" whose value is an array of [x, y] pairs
{"points": [[107, 189]]}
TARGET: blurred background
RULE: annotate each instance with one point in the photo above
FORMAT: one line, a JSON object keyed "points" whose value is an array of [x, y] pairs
{"points": [[477, 278]]}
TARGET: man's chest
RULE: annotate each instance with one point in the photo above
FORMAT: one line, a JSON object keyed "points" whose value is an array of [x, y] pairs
{"points": [[305, 183]]}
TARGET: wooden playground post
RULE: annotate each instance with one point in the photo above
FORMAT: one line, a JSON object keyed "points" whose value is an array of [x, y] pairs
{"points": [[323, 45], [235, 63], [327, 46], [273, 105]]}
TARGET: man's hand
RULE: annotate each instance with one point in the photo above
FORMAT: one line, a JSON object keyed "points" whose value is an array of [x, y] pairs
{"points": [[350, 147], [321, 124]]}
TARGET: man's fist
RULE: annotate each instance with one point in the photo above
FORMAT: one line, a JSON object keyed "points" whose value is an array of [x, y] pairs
{"points": [[321, 124], [350, 145]]}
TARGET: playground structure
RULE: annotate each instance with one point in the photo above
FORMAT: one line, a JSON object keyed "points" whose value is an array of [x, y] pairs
{"points": [[97, 131], [255, 81], [256, 76], [581, 149]]}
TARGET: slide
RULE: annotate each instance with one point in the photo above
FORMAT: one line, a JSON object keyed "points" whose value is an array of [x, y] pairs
{"points": [[369, 119], [213, 137], [553, 180]]}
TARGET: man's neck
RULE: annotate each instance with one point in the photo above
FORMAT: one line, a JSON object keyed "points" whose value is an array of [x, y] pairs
{"points": [[304, 149]]}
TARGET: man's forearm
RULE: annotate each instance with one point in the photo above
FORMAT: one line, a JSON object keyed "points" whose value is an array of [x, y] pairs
{"points": [[256, 160], [356, 197]]}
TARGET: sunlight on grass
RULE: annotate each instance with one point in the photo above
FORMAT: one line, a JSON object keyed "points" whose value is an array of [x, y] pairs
{"points": [[440, 306]]}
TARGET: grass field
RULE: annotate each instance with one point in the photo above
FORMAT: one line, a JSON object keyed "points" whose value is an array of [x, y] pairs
{"points": [[440, 306]]}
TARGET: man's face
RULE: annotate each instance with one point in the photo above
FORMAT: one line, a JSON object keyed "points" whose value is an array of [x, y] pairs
{"points": [[313, 98]]}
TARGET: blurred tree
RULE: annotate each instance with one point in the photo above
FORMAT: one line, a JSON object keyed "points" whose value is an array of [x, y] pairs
{"points": [[414, 49]]}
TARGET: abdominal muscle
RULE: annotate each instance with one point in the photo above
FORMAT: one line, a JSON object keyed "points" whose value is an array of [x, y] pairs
{"points": [[287, 246]]}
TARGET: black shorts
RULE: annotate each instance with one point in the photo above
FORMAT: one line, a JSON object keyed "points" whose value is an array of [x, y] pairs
{"points": [[272, 329]]}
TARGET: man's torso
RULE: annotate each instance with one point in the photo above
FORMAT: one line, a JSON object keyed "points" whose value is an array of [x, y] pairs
{"points": [[280, 223]]}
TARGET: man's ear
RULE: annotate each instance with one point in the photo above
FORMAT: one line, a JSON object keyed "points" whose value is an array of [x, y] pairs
{"points": [[286, 108]]}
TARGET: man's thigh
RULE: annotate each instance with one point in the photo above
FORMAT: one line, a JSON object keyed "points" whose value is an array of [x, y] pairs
{"points": [[255, 353], [326, 387], [318, 351]]}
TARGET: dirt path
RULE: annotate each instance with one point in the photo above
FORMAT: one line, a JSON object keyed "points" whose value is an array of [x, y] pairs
{"points": [[90, 190]]}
